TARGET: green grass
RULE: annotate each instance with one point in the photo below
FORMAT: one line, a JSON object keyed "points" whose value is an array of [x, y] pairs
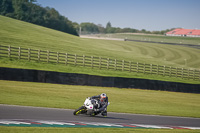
{"points": [[18, 33], [89, 130], [122, 100]]}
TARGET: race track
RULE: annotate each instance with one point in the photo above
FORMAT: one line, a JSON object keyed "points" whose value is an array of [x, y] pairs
{"points": [[12, 112]]}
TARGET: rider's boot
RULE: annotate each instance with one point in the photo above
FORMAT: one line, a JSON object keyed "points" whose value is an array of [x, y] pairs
{"points": [[104, 113]]}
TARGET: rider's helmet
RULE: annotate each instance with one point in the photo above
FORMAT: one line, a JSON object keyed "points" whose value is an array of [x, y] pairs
{"points": [[103, 96]]}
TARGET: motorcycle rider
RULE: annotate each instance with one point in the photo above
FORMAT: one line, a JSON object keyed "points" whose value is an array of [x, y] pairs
{"points": [[103, 103]]}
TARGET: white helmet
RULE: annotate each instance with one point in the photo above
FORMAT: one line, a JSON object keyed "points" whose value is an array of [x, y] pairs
{"points": [[103, 95]]}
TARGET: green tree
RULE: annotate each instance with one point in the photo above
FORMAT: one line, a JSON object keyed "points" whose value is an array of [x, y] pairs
{"points": [[109, 28], [101, 28], [89, 28], [28, 11], [143, 30], [6, 7], [108, 25]]}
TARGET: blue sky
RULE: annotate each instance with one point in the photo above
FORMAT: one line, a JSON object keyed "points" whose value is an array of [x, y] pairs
{"points": [[139, 14]]}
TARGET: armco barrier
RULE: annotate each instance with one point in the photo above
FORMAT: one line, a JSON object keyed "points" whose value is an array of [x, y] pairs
{"points": [[92, 80]]}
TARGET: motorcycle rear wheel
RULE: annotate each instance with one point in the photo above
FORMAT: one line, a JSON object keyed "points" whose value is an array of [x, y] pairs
{"points": [[80, 110]]}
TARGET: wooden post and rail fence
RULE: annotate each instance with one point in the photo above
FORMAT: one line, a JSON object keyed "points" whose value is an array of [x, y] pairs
{"points": [[97, 62]]}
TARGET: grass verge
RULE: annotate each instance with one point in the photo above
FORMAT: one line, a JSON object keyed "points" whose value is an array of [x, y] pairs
{"points": [[15, 63], [122, 100], [89, 130]]}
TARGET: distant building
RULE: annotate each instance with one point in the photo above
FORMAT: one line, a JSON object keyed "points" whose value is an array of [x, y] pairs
{"points": [[184, 32]]}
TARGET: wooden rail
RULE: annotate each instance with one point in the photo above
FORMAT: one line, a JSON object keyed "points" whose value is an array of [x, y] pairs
{"points": [[97, 62]]}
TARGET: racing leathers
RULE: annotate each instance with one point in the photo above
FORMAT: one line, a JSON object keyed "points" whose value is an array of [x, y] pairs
{"points": [[103, 103]]}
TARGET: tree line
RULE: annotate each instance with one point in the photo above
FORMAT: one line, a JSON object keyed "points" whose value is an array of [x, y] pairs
{"points": [[91, 28], [29, 11]]}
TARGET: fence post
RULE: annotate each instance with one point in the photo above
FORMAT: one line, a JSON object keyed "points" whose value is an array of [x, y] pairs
{"points": [[157, 69], [130, 66], [66, 59], [150, 68], [188, 73], [39, 55], [9, 51], [144, 68], [122, 65], [57, 57], [194, 74], [99, 62], [137, 67], [164, 71], [92, 61], [19, 54], [84, 60], [170, 71], [108, 63], [47, 56], [182, 73], [29, 54], [176, 72], [115, 64], [75, 58]]}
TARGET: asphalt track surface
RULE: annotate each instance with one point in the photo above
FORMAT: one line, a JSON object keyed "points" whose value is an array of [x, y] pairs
{"points": [[40, 113]]}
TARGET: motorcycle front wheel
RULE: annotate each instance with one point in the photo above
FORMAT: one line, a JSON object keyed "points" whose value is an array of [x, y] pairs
{"points": [[80, 110]]}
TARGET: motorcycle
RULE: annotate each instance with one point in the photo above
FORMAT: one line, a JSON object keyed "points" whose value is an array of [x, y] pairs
{"points": [[88, 107]]}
